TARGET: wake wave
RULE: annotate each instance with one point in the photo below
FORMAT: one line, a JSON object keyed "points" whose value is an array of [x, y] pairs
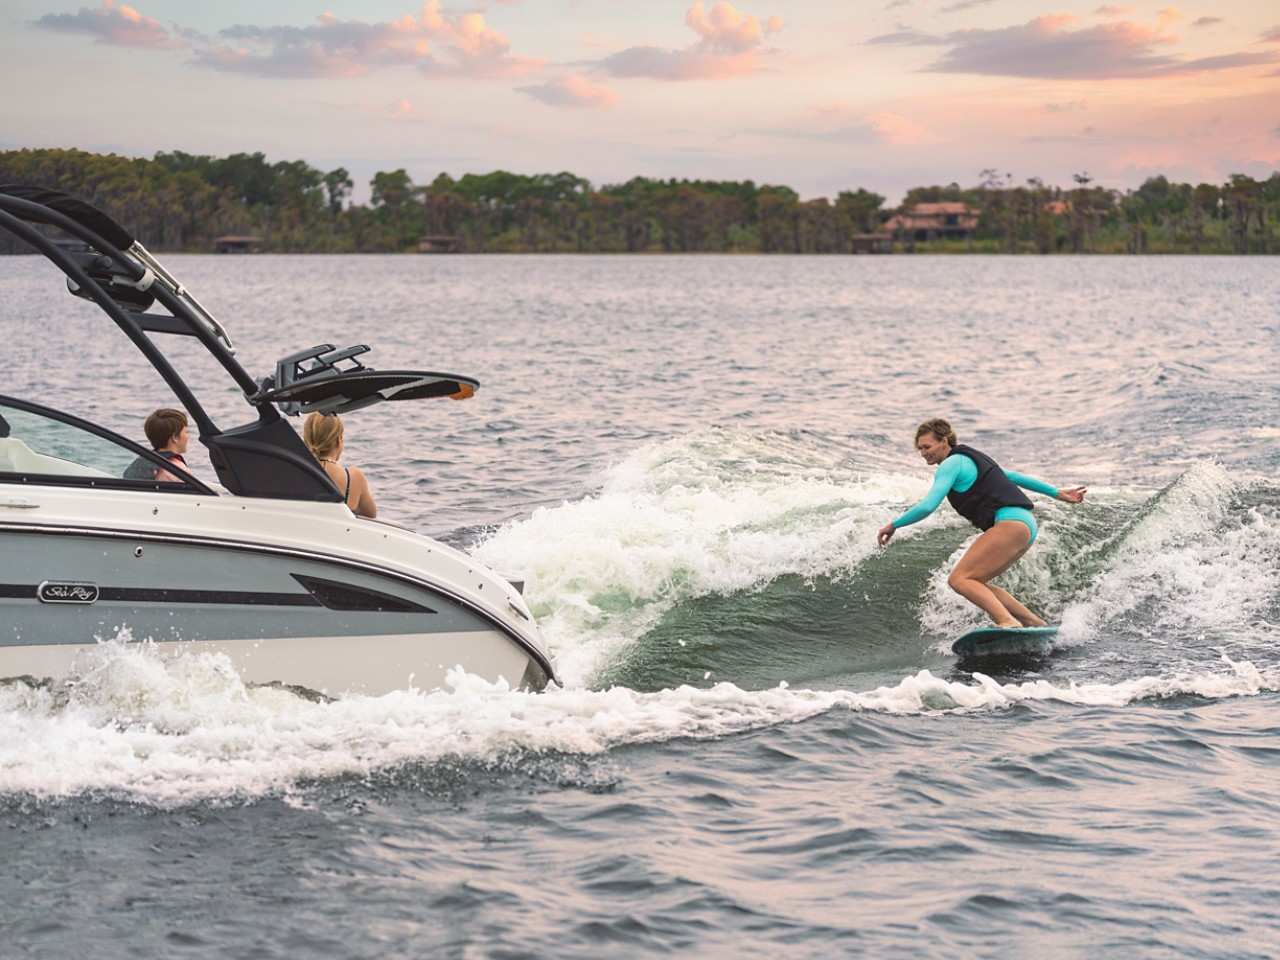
{"points": [[719, 513], [712, 513]]}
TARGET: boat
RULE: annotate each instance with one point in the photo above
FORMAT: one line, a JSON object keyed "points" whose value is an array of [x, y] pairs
{"points": [[267, 566]]}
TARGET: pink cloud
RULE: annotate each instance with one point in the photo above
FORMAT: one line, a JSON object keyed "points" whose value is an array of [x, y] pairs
{"points": [[433, 42], [115, 24], [729, 44], [572, 90], [725, 30], [1048, 47], [661, 64], [1272, 35]]}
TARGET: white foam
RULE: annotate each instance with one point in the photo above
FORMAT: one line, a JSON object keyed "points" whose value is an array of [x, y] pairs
{"points": [[1196, 559], [713, 512], [1193, 558], [169, 732]]}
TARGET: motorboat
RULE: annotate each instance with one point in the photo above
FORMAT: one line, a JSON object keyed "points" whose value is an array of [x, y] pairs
{"points": [[267, 566]]}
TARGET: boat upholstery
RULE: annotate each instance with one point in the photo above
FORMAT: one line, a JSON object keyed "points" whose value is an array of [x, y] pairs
{"points": [[17, 457]]}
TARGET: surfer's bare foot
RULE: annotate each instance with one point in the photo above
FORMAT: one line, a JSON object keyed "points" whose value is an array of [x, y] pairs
{"points": [[1033, 621], [1011, 625]]}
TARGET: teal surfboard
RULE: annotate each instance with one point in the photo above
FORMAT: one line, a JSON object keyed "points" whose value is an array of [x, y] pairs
{"points": [[1004, 641]]}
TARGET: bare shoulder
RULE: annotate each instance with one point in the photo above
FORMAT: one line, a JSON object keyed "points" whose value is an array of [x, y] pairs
{"points": [[359, 482]]}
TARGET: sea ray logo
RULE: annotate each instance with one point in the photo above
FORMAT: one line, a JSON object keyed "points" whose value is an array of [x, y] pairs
{"points": [[62, 591]]}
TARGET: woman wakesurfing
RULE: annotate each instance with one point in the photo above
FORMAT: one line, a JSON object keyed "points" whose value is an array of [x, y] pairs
{"points": [[989, 498]]}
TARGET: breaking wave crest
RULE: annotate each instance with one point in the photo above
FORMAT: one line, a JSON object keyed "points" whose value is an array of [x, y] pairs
{"points": [[714, 513]]}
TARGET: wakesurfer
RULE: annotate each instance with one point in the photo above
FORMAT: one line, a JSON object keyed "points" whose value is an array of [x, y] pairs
{"points": [[988, 497]]}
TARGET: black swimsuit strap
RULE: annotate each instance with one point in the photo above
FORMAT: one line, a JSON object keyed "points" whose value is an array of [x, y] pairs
{"points": [[346, 494]]}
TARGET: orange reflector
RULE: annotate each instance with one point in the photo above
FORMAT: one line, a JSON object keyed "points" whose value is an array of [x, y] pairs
{"points": [[465, 390]]}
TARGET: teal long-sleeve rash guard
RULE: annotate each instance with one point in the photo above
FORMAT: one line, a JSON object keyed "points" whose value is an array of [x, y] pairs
{"points": [[958, 473]]}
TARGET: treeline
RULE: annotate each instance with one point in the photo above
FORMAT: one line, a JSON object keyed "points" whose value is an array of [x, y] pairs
{"points": [[1241, 215], [181, 202]]}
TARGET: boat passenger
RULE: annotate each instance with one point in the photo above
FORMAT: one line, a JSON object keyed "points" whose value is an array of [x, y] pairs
{"points": [[323, 435], [166, 431], [989, 498]]}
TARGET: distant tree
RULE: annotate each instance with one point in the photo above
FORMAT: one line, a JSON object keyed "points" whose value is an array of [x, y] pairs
{"points": [[934, 194], [338, 186], [777, 214], [248, 175], [392, 189], [859, 209], [1243, 196]]}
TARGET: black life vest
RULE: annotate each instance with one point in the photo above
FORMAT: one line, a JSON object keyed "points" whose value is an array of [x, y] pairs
{"points": [[991, 491]]}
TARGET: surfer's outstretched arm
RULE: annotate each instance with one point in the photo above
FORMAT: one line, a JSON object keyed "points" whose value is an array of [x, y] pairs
{"points": [[943, 480], [1069, 495]]}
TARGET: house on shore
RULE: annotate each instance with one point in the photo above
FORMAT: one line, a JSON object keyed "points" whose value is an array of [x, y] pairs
{"points": [[871, 243], [950, 220], [439, 243], [237, 244]]}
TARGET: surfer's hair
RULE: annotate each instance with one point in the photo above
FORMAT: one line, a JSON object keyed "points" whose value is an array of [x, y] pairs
{"points": [[322, 433], [939, 428]]}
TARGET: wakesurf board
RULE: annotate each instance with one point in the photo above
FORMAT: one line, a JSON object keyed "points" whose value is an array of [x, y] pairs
{"points": [[1004, 641]]}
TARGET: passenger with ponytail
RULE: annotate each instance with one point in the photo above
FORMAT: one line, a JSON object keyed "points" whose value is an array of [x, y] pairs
{"points": [[323, 434], [988, 497]]}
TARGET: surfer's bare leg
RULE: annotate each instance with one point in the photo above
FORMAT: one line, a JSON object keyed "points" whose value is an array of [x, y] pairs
{"points": [[1011, 603], [991, 555]]}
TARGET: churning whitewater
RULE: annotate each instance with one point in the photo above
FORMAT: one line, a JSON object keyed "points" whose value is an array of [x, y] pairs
{"points": [[719, 515]]}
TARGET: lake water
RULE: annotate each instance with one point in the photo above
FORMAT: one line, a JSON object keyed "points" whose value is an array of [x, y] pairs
{"points": [[762, 746]]}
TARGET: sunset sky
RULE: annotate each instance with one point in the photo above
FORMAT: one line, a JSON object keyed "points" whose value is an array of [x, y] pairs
{"points": [[818, 94]]}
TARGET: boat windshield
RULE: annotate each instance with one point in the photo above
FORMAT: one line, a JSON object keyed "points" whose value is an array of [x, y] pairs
{"points": [[35, 442]]}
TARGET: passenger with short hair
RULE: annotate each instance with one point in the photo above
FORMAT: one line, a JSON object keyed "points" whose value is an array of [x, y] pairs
{"points": [[166, 431], [323, 435]]}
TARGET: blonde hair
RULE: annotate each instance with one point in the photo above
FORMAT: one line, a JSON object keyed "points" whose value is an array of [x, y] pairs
{"points": [[322, 433], [939, 428]]}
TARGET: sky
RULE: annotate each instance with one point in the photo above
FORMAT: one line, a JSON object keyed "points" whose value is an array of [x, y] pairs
{"points": [[820, 95]]}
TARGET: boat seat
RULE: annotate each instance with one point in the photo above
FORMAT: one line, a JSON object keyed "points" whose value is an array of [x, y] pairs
{"points": [[17, 457]]}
